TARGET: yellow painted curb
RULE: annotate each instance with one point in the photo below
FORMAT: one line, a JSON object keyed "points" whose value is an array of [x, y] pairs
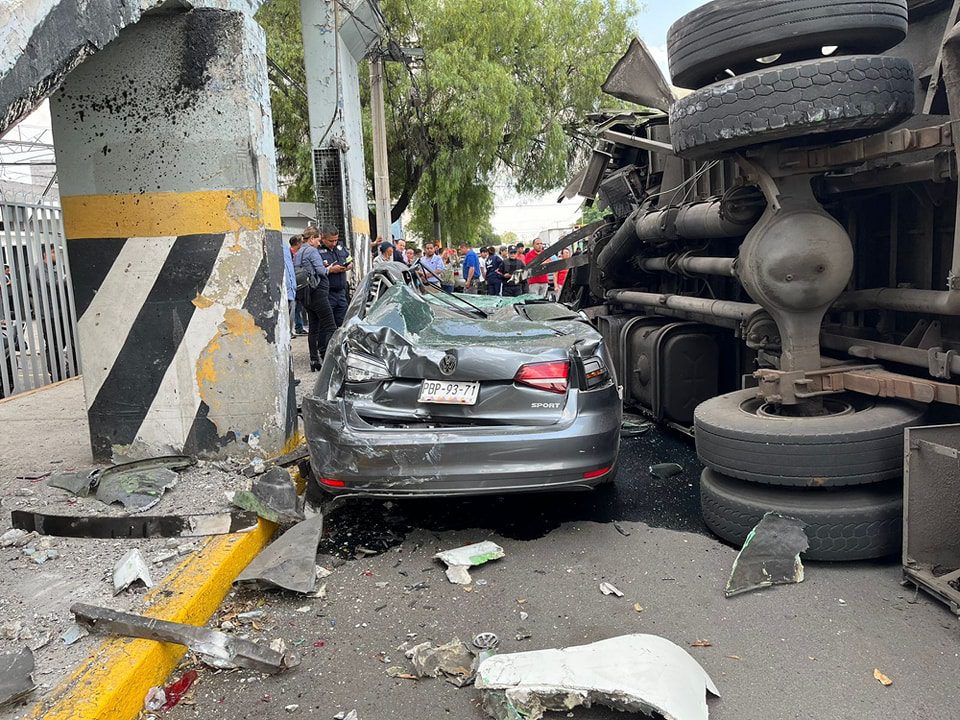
{"points": [[112, 683]]}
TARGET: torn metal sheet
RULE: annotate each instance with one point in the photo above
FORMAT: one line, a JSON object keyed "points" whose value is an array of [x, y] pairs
{"points": [[453, 661], [129, 569], [459, 560], [140, 526], [770, 555], [631, 673], [289, 562], [139, 485], [272, 496], [78, 482], [214, 647], [16, 676], [638, 79]]}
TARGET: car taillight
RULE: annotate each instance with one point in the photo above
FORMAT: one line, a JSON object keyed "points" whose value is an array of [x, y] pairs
{"points": [[363, 368], [550, 376], [594, 372], [330, 482]]}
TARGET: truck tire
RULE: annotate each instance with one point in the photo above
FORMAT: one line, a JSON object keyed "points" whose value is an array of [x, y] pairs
{"points": [[736, 435], [842, 524], [732, 34], [854, 95]]}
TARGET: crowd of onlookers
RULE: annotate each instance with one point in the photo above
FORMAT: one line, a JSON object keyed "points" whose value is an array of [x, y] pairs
{"points": [[486, 271], [318, 262]]}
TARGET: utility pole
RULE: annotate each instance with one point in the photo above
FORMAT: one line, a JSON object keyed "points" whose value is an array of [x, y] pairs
{"points": [[381, 170]]}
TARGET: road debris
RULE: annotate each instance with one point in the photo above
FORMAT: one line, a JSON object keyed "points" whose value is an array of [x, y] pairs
{"points": [[16, 676], [138, 526], [213, 647], [638, 607], [41, 549], [401, 673], [73, 633], [486, 641], [881, 678], [620, 529], [77, 482], [139, 485], [290, 561], [130, 569], [633, 426], [631, 673], [16, 537], [352, 715], [460, 560], [453, 661], [176, 690], [770, 555], [664, 471], [608, 589], [272, 496], [701, 644]]}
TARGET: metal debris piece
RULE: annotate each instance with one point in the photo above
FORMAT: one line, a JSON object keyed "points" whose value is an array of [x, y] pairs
{"points": [[74, 633], [631, 673], [460, 560], [139, 485], [272, 496], [881, 678], [140, 526], [130, 569], [453, 661], [16, 676], [486, 641], [290, 561], [352, 715], [608, 589], [214, 648], [633, 426], [78, 482], [770, 555], [665, 470]]}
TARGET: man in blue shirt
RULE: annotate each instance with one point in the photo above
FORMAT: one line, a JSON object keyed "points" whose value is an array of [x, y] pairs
{"points": [[471, 269], [291, 283], [337, 260], [432, 262]]}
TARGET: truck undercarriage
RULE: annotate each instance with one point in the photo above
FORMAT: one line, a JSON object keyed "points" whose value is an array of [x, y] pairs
{"points": [[778, 268]]}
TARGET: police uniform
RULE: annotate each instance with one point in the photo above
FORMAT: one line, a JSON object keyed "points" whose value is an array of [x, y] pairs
{"points": [[338, 281]]}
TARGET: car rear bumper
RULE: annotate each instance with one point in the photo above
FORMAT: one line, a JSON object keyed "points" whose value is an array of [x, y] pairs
{"points": [[386, 462]]}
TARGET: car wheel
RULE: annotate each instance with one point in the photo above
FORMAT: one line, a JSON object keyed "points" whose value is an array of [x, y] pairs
{"points": [[859, 440], [733, 34], [842, 524], [848, 95]]}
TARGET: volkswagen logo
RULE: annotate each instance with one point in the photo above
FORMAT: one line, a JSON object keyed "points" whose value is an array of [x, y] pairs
{"points": [[448, 363]]}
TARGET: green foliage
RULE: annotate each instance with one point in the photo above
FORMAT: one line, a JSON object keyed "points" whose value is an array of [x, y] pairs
{"points": [[509, 238], [503, 89], [591, 214]]}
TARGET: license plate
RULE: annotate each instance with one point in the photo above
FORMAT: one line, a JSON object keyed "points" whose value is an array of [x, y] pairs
{"points": [[449, 393]]}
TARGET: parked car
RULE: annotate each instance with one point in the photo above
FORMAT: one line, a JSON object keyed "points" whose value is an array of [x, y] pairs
{"points": [[428, 393]]}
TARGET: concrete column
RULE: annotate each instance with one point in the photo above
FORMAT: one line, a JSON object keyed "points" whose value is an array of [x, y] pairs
{"points": [[168, 183]]}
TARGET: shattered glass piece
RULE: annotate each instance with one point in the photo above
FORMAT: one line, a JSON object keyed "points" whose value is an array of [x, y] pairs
{"points": [[16, 676], [79, 482], [631, 673], [128, 570], [453, 661], [664, 471], [770, 555], [290, 561], [73, 633], [459, 560]]}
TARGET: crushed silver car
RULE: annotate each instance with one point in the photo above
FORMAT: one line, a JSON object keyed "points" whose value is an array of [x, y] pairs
{"points": [[428, 393]]}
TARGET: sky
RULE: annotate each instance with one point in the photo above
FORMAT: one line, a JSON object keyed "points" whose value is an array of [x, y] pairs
{"points": [[529, 216]]}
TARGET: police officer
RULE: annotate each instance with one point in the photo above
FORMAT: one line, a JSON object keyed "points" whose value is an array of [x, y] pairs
{"points": [[337, 260]]}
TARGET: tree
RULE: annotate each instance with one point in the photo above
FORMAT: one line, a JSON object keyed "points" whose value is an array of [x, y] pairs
{"points": [[503, 88], [591, 214]]}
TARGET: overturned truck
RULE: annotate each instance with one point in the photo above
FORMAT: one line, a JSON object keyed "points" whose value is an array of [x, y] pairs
{"points": [[778, 268]]}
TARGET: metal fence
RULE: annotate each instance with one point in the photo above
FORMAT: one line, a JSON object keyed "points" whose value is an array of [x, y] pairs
{"points": [[38, 319]]}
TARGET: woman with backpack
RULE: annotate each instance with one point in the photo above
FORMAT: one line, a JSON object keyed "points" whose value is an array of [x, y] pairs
{"points": [[313, 290]]}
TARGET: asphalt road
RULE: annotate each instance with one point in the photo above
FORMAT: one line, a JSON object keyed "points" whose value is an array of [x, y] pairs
{"points": [[801, 651]]}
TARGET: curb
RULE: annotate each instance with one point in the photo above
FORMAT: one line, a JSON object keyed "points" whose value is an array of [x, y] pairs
{"points": [[112, 683]]}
